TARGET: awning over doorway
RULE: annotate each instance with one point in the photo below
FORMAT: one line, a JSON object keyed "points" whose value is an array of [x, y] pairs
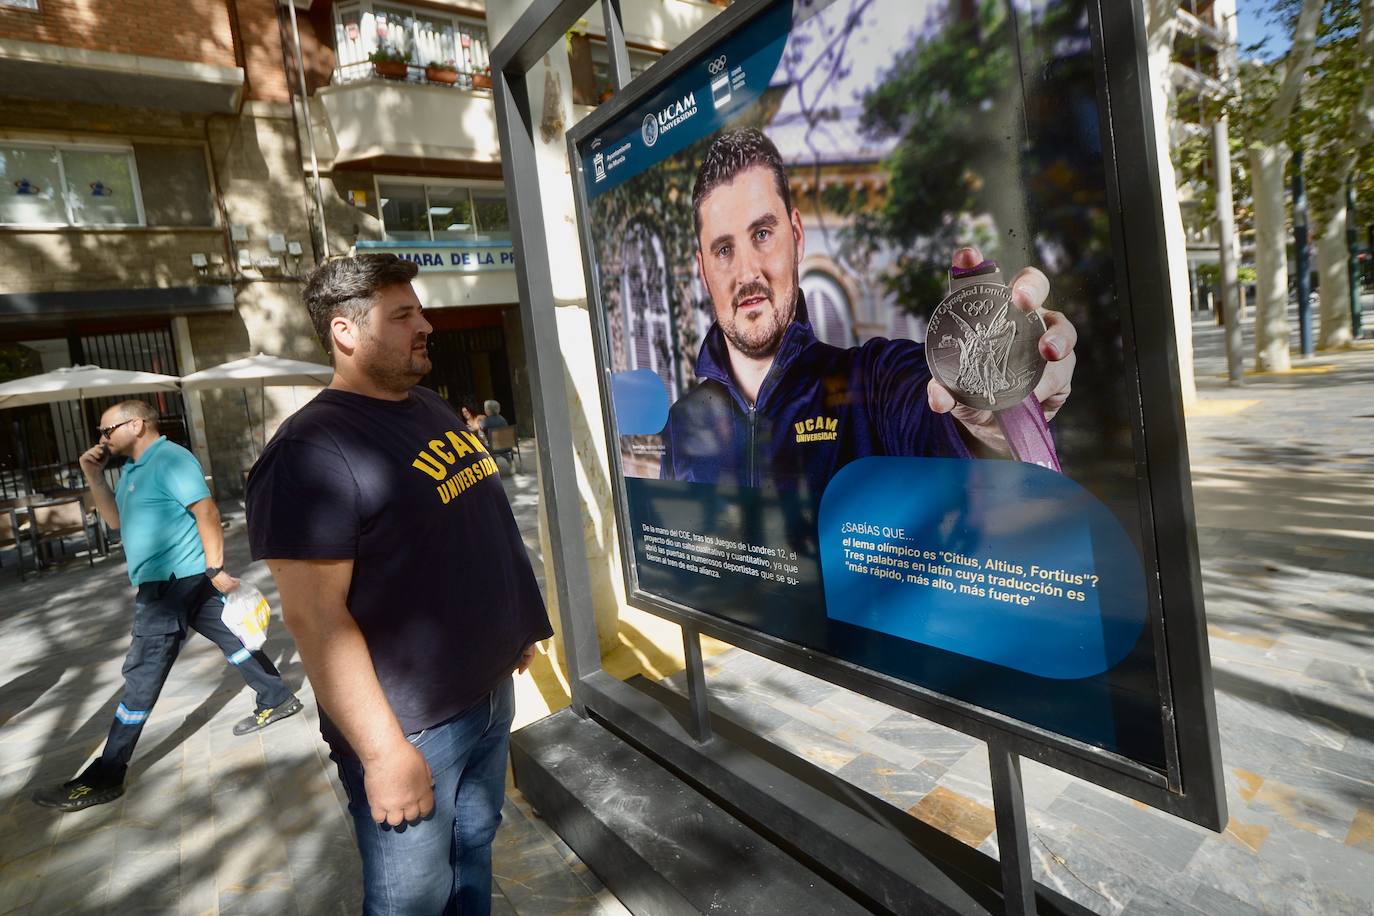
{"points": [[18, 308]]}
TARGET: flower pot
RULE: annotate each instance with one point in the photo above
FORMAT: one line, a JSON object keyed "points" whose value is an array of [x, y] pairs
{"points": [[390, 69], [481, 81], [607, 95], [441, 75]]}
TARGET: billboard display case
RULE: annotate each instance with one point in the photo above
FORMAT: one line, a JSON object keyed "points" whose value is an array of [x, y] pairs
{"points": [[811, 232]]}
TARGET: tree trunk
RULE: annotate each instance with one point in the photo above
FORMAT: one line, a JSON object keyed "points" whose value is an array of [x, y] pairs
{"points": [[1175, 241], [1226, 238], [1333, 255], [1268, 154], [1333, 260], [1271, 258]]}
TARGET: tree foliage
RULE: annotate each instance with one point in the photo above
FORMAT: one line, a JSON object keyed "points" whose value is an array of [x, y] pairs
{"points": [[998, 144], [938, 100], [1337, 78], [1320, 125]]}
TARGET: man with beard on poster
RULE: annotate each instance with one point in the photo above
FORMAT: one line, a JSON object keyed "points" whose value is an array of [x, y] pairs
{"points": [[778, 406]]}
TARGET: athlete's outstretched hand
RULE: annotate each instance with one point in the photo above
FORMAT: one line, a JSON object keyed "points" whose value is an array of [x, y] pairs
{"points": [[1029, 291]]}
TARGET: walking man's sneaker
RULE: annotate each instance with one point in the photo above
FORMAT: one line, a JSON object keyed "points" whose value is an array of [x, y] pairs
{"points": [[93, 787], [265, 717]]}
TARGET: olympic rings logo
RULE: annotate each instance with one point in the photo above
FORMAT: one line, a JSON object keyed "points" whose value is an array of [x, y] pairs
{"points": [[716, 65]]}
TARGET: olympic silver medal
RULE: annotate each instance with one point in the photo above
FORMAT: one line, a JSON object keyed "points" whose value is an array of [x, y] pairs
{"points": [[983, 348]]}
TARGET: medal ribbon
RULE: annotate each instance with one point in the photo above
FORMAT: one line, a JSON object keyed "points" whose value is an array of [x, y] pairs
{"points": [[1027, 433]]}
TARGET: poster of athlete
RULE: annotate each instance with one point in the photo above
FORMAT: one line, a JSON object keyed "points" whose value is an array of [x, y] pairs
{"points": [[870, 371]]}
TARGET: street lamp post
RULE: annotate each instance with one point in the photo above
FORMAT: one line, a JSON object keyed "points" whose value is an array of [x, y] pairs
{"points": [[1300, 263], [1353, 259]]}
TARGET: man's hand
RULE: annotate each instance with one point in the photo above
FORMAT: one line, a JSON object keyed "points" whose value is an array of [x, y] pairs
{"points": [[94, 459], [224, 583], [399, 786], [527, 657], [1029, 290]]}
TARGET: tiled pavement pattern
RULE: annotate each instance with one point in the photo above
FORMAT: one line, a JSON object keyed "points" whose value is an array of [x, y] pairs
{"points": [[210, 823], [1285, 504]]}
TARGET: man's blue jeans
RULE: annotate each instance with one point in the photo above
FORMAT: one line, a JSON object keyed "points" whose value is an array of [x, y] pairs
{"points": [[441, 865]]}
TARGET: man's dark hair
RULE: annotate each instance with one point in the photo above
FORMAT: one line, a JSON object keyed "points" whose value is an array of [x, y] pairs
{"points": [[347, 286], [731, 153]]}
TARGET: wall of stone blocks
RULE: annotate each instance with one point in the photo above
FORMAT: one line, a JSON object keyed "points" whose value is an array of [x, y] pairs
{"points": [[257, 163], [81, 120], [259, 174], [74, 259], [348, 223], [268, 318]]}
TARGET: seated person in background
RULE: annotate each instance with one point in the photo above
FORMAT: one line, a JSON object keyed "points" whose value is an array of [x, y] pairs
{"points": [[472, 415], [492, 418]]}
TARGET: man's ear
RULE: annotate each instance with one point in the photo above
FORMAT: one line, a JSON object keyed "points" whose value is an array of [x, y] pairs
{"points": [[798, 234], [345, 334], [701, 272]]}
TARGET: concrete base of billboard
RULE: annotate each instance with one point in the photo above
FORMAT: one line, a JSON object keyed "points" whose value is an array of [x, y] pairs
{"points": [[657, 844], [736, 824]]}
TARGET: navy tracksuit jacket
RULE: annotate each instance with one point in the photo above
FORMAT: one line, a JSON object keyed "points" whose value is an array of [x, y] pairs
{"points": [[820, 407]]}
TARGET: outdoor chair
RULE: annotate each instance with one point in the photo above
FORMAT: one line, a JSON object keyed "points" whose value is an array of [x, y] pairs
{"points": [[14, 530], [102, 535], [502, 442], [59, 520]]}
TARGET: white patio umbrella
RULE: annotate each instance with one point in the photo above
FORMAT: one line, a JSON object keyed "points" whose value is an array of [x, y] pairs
{"points": [[76, 383], [259, 371], [81, 382]]}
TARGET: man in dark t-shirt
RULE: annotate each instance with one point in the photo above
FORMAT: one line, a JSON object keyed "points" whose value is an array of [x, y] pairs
{"points": [[406, 585]]}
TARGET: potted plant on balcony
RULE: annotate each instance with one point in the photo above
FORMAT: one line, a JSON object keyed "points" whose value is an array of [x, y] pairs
{"points": [[481, 79], [441, 71], [389, 62]]}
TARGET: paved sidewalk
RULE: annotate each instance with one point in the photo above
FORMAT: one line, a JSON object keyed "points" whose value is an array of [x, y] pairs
{"points": [[211, 823]]}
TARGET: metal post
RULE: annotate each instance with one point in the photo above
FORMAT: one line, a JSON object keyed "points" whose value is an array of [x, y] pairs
{"points": [[1229, 304], [21, 444], [309, 129], [567, 574], [615, 43], [1352, 248], [1300, 262], [696, 685], [1013, 839]]}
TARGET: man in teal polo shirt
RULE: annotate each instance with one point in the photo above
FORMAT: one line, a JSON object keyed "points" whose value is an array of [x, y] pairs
{"points": [[174, 545]]}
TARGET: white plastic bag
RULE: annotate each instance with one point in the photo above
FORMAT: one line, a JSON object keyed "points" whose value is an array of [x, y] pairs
{"points": [[246, 613]]}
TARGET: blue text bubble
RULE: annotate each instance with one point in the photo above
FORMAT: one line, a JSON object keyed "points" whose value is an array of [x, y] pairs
{"points": [[1001, 561], [641, 402]]}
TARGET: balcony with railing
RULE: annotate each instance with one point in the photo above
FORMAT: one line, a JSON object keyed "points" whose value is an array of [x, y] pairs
{"points": [[377, 41], [410, 83]]}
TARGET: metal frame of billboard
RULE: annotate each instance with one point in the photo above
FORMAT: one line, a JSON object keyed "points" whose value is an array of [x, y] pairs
{"points": [[1192, 787]]}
